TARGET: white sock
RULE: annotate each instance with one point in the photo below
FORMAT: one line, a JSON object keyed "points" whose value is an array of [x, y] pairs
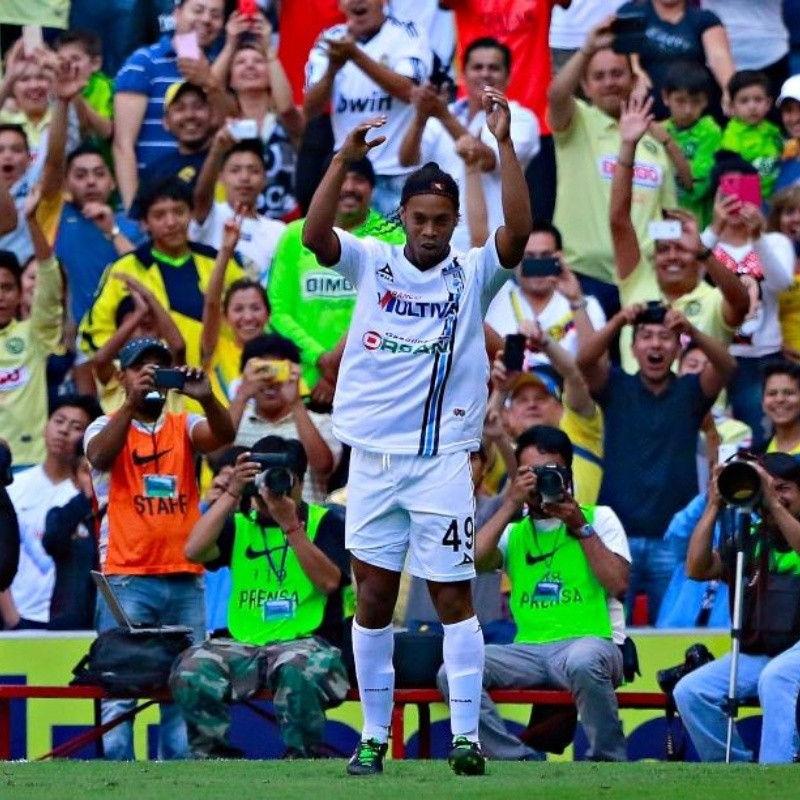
{"points": [[463, 662], [372, 651]]}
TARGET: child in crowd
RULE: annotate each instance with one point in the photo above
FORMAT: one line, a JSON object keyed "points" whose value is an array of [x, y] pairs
{"points": [[685, 94], [789, 105], [749, 133], [95, 104], [240, 167]]}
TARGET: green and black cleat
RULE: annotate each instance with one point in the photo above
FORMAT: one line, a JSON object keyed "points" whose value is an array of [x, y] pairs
{"points": [[466, 757], [368, 758]]}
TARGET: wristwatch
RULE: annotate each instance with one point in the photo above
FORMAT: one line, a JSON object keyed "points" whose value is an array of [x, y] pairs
{"points": [[115, 231], [585, 532]]}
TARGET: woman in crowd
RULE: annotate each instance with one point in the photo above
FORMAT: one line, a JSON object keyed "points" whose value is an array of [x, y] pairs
{"points": [[676, 32]]}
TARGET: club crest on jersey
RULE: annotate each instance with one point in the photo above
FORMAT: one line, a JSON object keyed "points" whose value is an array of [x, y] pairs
{"points": [[453, 277], [386, 273]]}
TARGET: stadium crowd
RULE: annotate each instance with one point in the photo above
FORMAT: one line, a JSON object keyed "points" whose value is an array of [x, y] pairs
{"points": [[176, 322]]}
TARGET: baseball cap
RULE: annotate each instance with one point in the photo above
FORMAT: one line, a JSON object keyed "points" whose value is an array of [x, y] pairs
{"points": [[790, 90], [135, 349], [539, 376], [175, 90]]}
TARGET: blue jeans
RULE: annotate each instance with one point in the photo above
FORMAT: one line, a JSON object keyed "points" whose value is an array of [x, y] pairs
{"points": [[154, 600], [652, 565], [701, 694]]}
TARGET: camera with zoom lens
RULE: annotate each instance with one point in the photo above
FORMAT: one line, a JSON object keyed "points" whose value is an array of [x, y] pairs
{"points": [[552, 482], [277, 475], [739, 483], [694, 658]]}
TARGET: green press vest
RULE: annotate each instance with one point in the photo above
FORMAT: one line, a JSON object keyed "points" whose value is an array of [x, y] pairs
{"points": [[555, 595], [272, 599]]}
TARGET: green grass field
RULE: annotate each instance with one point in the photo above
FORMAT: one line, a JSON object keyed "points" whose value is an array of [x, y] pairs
{"points": [[408, 780]]}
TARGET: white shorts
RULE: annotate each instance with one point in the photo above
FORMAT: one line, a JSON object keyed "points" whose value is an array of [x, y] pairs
{"points": [[405, 511]]}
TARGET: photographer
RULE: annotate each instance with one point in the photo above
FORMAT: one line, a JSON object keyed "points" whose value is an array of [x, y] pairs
{"points": [[652, 420], [568, 566], [288, 568], [143, 461], [773, 549]]}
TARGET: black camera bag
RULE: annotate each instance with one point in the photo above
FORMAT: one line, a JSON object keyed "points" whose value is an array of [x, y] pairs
{"points": [[771, 614], [131, 663]]}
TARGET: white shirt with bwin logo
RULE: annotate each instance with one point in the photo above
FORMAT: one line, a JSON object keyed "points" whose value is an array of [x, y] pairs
{"points": [[357, 98], [414, 372]]}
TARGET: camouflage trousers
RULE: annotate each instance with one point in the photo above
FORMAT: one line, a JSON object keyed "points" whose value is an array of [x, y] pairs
{"points": [[305, 676]]}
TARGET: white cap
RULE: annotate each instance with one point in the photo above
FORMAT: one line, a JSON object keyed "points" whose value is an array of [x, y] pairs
{"points": [[790, 90]]}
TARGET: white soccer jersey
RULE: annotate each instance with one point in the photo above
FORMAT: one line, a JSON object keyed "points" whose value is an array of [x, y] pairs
{"points": [[414, 372], [356, 97]]}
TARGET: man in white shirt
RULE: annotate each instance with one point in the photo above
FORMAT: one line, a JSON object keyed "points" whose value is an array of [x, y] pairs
{"points": [[365, 67], [410, 401], [546, 292], [456, 136], [240, 168], [33, 493]]}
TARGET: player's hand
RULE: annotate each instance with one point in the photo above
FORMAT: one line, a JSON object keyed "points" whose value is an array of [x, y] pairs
{"points": [[356, 146], [498, 114]]}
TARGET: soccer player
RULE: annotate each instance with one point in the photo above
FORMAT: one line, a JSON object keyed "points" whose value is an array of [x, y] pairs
{"points": [[410, 401]]}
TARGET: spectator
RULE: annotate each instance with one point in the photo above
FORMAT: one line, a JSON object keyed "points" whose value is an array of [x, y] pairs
{"points": [[311, 304], [142, 82], [268, 404], [685, 94], [749, 133], [678, 264], [556, 395], [561, 643], [789, 104], [143, 462], [189, 117], [82, 50], [33, 492], [774, 675], [663, 413], [295, 656], [455, 136], [523, 27], [757, 34], [784, 217], [398, 448], [781, 403], [675, 31], [587, 160], [240, 168], [264, 95], [26, 345], [9, 526], [766, 262], [244, 306], [174, 269], [365, 67], [551, 300], [70, 540], [18, 175]]}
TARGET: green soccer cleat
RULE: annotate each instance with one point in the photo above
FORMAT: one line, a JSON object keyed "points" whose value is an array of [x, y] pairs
{"points": [[466, 757], [368, 758]]}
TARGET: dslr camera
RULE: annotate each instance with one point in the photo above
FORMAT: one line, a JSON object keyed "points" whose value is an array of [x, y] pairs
{"points": [[552, 482], [276, 476], [653, 314], [694, 658]]}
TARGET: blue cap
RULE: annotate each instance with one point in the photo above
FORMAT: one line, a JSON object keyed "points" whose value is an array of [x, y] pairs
{"points": [[133, 351], [542, 376]]}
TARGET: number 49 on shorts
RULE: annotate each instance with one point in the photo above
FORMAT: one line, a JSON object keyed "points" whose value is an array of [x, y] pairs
{"points": [[455, 539]]}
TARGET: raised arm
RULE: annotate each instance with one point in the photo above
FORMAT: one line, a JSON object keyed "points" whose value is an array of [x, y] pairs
{"points": [[209, 173], [703, 563], [517, 221], [593, 359], [633, 124], [129, 111], [319, 93], [561, 94], [318, 234], [216, 430]]}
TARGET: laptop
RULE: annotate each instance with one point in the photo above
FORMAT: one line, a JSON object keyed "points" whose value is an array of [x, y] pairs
{"points": [[121, 618]]}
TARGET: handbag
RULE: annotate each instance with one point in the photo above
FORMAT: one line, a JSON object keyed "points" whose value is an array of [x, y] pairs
{"points": [[131, 663]]}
